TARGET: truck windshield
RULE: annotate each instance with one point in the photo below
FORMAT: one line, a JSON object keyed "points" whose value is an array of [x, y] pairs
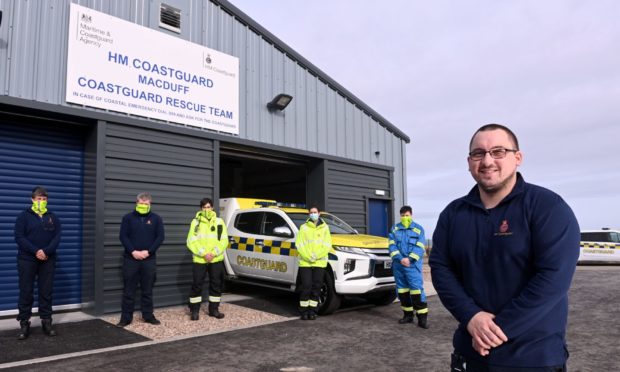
{"points": [[335, 224]]}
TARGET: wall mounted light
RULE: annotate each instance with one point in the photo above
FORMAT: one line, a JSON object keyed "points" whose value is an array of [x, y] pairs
{"points": [[280, 102], [377, 153]]}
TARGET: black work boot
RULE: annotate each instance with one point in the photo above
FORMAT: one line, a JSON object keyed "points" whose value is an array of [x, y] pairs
{"points": [[47, 327], [195, 314], [195, 311], [214, 312], [311, 315], [407, 317], [423, 320], [24, 330], [304, 315]]}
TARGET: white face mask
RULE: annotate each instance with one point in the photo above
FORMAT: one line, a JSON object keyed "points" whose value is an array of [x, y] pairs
{"points": [[314, 216]]}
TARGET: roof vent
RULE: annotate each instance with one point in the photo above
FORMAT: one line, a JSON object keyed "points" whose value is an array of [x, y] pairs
{"points": [[170, 18]]}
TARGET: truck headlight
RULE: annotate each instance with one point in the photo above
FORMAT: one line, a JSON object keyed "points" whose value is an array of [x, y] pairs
{"points": [[353, 250], [349, 265]]}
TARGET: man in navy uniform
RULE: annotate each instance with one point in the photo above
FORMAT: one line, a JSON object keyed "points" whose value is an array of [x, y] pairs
{"points": [[142, 232], [502, 262], [37, 234]]}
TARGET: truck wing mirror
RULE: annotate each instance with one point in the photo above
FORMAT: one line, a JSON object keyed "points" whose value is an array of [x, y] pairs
{"points": [[283, 231]]}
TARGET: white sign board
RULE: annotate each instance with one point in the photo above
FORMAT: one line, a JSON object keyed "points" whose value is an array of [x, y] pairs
{"points": [[120, 66]]}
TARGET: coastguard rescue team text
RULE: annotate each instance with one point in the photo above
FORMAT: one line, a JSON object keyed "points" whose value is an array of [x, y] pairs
{"points": [[181, 82]]}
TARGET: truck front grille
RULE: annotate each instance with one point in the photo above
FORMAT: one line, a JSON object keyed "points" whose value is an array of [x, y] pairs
{"points": [[381, 271]]}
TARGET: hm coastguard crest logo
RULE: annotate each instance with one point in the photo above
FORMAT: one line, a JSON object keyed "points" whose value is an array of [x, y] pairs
{"points": [[504, 229]]}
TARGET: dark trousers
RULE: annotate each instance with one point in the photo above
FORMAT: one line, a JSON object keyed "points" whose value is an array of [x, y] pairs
{"points": [[43, 272], [461, 364], [215, 273], [311, 283], [136, 272]]}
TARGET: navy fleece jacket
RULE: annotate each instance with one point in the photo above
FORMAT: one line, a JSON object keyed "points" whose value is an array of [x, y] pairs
{"points": [[515, 261], [33, 233], [141, 232]]}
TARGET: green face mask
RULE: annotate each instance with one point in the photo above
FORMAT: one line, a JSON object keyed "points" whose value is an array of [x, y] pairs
{"points": [[143, 208], [39, 207], [406, 221]]}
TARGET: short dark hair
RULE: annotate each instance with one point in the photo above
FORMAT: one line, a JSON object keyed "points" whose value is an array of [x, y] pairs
{"points": [[494, 126], [314, 206], [405, 209], [205, 201], [39, 191]]}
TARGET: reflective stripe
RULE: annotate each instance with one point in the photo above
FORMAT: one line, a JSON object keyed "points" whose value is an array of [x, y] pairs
{"points": [[313, 303], [422, 311], [392, 242], [416, 230], [195, 300], [303, 303], [407, 308], [403, 290], [416, 291], [202, 236], [394, 253], [421, 245], [414, 256], [214, 299]]}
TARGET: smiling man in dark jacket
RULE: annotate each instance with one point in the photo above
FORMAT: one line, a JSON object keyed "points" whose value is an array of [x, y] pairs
{"points": [[142, 232], [502, 261], [37, 234]]}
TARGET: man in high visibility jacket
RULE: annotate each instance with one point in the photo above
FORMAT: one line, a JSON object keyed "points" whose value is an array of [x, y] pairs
{"points": [[407, 251], [207, 239], [313, 244]]}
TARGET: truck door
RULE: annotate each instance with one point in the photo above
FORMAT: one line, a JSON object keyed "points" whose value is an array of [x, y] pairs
{"points": [[259, 249]]}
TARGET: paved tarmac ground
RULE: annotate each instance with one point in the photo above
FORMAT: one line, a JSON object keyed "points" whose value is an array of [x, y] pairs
{"points": [[365, 338]]}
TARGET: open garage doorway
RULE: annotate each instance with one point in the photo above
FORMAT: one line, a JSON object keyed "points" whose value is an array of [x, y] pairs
{"points": [[267, 175]]}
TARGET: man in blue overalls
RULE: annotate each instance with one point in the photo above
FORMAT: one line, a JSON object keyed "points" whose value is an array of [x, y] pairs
{"points": [[407, 251]]}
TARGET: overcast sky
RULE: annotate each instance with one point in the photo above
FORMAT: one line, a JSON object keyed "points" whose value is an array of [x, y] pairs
{"points": [[438, 70]]}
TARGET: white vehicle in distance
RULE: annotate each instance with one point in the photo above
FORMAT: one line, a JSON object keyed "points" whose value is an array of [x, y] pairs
{"points": [[262, 252], [599, 246]]}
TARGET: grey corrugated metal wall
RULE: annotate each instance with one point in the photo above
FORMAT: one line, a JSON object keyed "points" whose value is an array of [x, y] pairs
{"points": [[33, 48], [178, 171], [348, 189]]}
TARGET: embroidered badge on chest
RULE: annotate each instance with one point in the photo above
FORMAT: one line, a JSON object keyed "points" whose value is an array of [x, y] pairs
{"points": [[504, 229]]}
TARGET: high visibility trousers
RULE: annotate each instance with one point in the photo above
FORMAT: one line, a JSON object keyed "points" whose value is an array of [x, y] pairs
{"points": [[215, 273], [311, 283]]}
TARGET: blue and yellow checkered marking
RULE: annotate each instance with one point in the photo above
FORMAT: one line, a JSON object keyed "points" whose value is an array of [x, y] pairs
{"points": [[600, 245], [269, 246]]}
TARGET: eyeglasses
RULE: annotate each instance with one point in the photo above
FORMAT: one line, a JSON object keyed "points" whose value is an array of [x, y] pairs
{"points": [[496, 153]]}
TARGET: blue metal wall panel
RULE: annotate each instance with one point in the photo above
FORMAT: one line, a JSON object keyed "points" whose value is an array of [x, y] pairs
{"points": [[33, 155]]}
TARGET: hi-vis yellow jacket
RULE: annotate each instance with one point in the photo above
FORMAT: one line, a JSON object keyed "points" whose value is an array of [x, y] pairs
{"points": [[314, 242], [207, 236]]}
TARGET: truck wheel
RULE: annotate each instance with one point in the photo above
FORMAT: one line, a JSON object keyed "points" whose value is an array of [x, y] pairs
{"points": [[383, 298], [329, 300]]}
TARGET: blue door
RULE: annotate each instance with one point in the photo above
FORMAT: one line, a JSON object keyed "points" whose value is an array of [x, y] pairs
{"points": [[378, 217], [50, 156]]}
